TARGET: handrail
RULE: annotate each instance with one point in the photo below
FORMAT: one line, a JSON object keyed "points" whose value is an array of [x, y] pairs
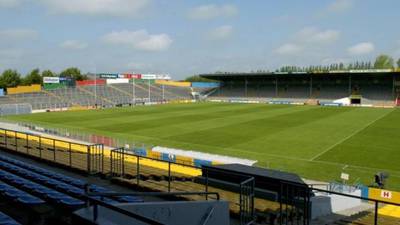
{"points": [[50, 138], [153, 194], [89, 197], [355, 196], [119, 210], [123, 151]]}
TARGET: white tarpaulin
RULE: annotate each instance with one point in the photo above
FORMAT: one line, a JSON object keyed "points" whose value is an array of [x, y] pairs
{"points": [[118, 81]]}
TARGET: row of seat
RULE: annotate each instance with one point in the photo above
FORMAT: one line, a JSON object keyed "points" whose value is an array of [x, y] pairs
{"points": [[62, 183], [41, 191], [14, 194], [6, 220]]}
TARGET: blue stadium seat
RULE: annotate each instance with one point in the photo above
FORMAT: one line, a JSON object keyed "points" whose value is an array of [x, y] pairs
{"points": [[17, 195], [54, 180], [40, 190], [6, 220]]}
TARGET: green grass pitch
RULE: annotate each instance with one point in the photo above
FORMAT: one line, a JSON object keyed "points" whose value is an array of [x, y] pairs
{"points": [[316, 142]]}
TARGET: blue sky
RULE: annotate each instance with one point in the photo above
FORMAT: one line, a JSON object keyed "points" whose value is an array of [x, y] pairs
{"points": [[191, 37]]}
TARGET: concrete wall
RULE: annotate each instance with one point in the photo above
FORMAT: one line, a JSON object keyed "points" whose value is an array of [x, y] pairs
{"points": [[324, 204]]}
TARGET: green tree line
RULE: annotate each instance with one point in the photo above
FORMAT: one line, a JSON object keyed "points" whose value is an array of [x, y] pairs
{"points": [[12, 78], [381, 62]]}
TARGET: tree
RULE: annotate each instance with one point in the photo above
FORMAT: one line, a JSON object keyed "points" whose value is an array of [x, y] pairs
{"points": [[33, 77], [48, 73], [197, 78], [10, 78], [398, 63], [74, 73], [384, 62]]}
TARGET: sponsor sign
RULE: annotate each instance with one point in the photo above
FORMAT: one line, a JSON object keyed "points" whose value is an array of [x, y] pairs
{"points": [[386, 194], [163, 77], [132, 76], [109, 75], [51, 80], [149, 76]]}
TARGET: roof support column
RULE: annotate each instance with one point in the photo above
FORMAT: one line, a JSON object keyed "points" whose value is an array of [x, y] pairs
{"points": [[349, 84], [394, 88], [245, 87]]}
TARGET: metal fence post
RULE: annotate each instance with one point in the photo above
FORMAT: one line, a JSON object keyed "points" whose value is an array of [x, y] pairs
{"points": [[54, 150], [102, 158], [16, 141], [376, 213], [27, 144], [169, 176], [206, 182], [137, 170], [123, 163], [241, 214], [5, 138], [88, 159], [280, 204], [111, 163], [40, 146], [70, 154]]}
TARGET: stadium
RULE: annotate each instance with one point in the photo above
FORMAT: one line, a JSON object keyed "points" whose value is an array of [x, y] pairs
{"points": [[247, 148], [120, 112]]}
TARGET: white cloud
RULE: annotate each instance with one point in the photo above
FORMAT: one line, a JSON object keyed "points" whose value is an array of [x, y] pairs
{"points": [[139, 39], [309, 39], [289, 49], [97, 7], [9, 3], [206, 12], [339, 6], [361, 48], [18, 34], [74, 45], [316, 36], [221, 33]]}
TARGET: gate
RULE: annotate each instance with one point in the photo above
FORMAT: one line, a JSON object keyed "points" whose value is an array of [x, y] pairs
{"points": [[95, 161], [247, 201], [117, 158], [294, 201]]}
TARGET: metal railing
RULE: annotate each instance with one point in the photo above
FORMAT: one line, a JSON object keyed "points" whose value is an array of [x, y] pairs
{"points": [[375, 202], [91, 201], [88, 158]]}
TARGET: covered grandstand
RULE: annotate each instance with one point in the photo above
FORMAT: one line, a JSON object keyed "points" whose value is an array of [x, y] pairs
{"points": [[371, 87]]}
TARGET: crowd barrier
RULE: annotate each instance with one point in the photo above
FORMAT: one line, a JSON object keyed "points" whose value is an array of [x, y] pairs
{"points": [[24, 89], [85, 157], [89, 157], [15, 109]]}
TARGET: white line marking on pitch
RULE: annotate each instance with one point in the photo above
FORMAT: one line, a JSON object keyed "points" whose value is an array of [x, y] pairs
{"points": [[350, 136]]}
